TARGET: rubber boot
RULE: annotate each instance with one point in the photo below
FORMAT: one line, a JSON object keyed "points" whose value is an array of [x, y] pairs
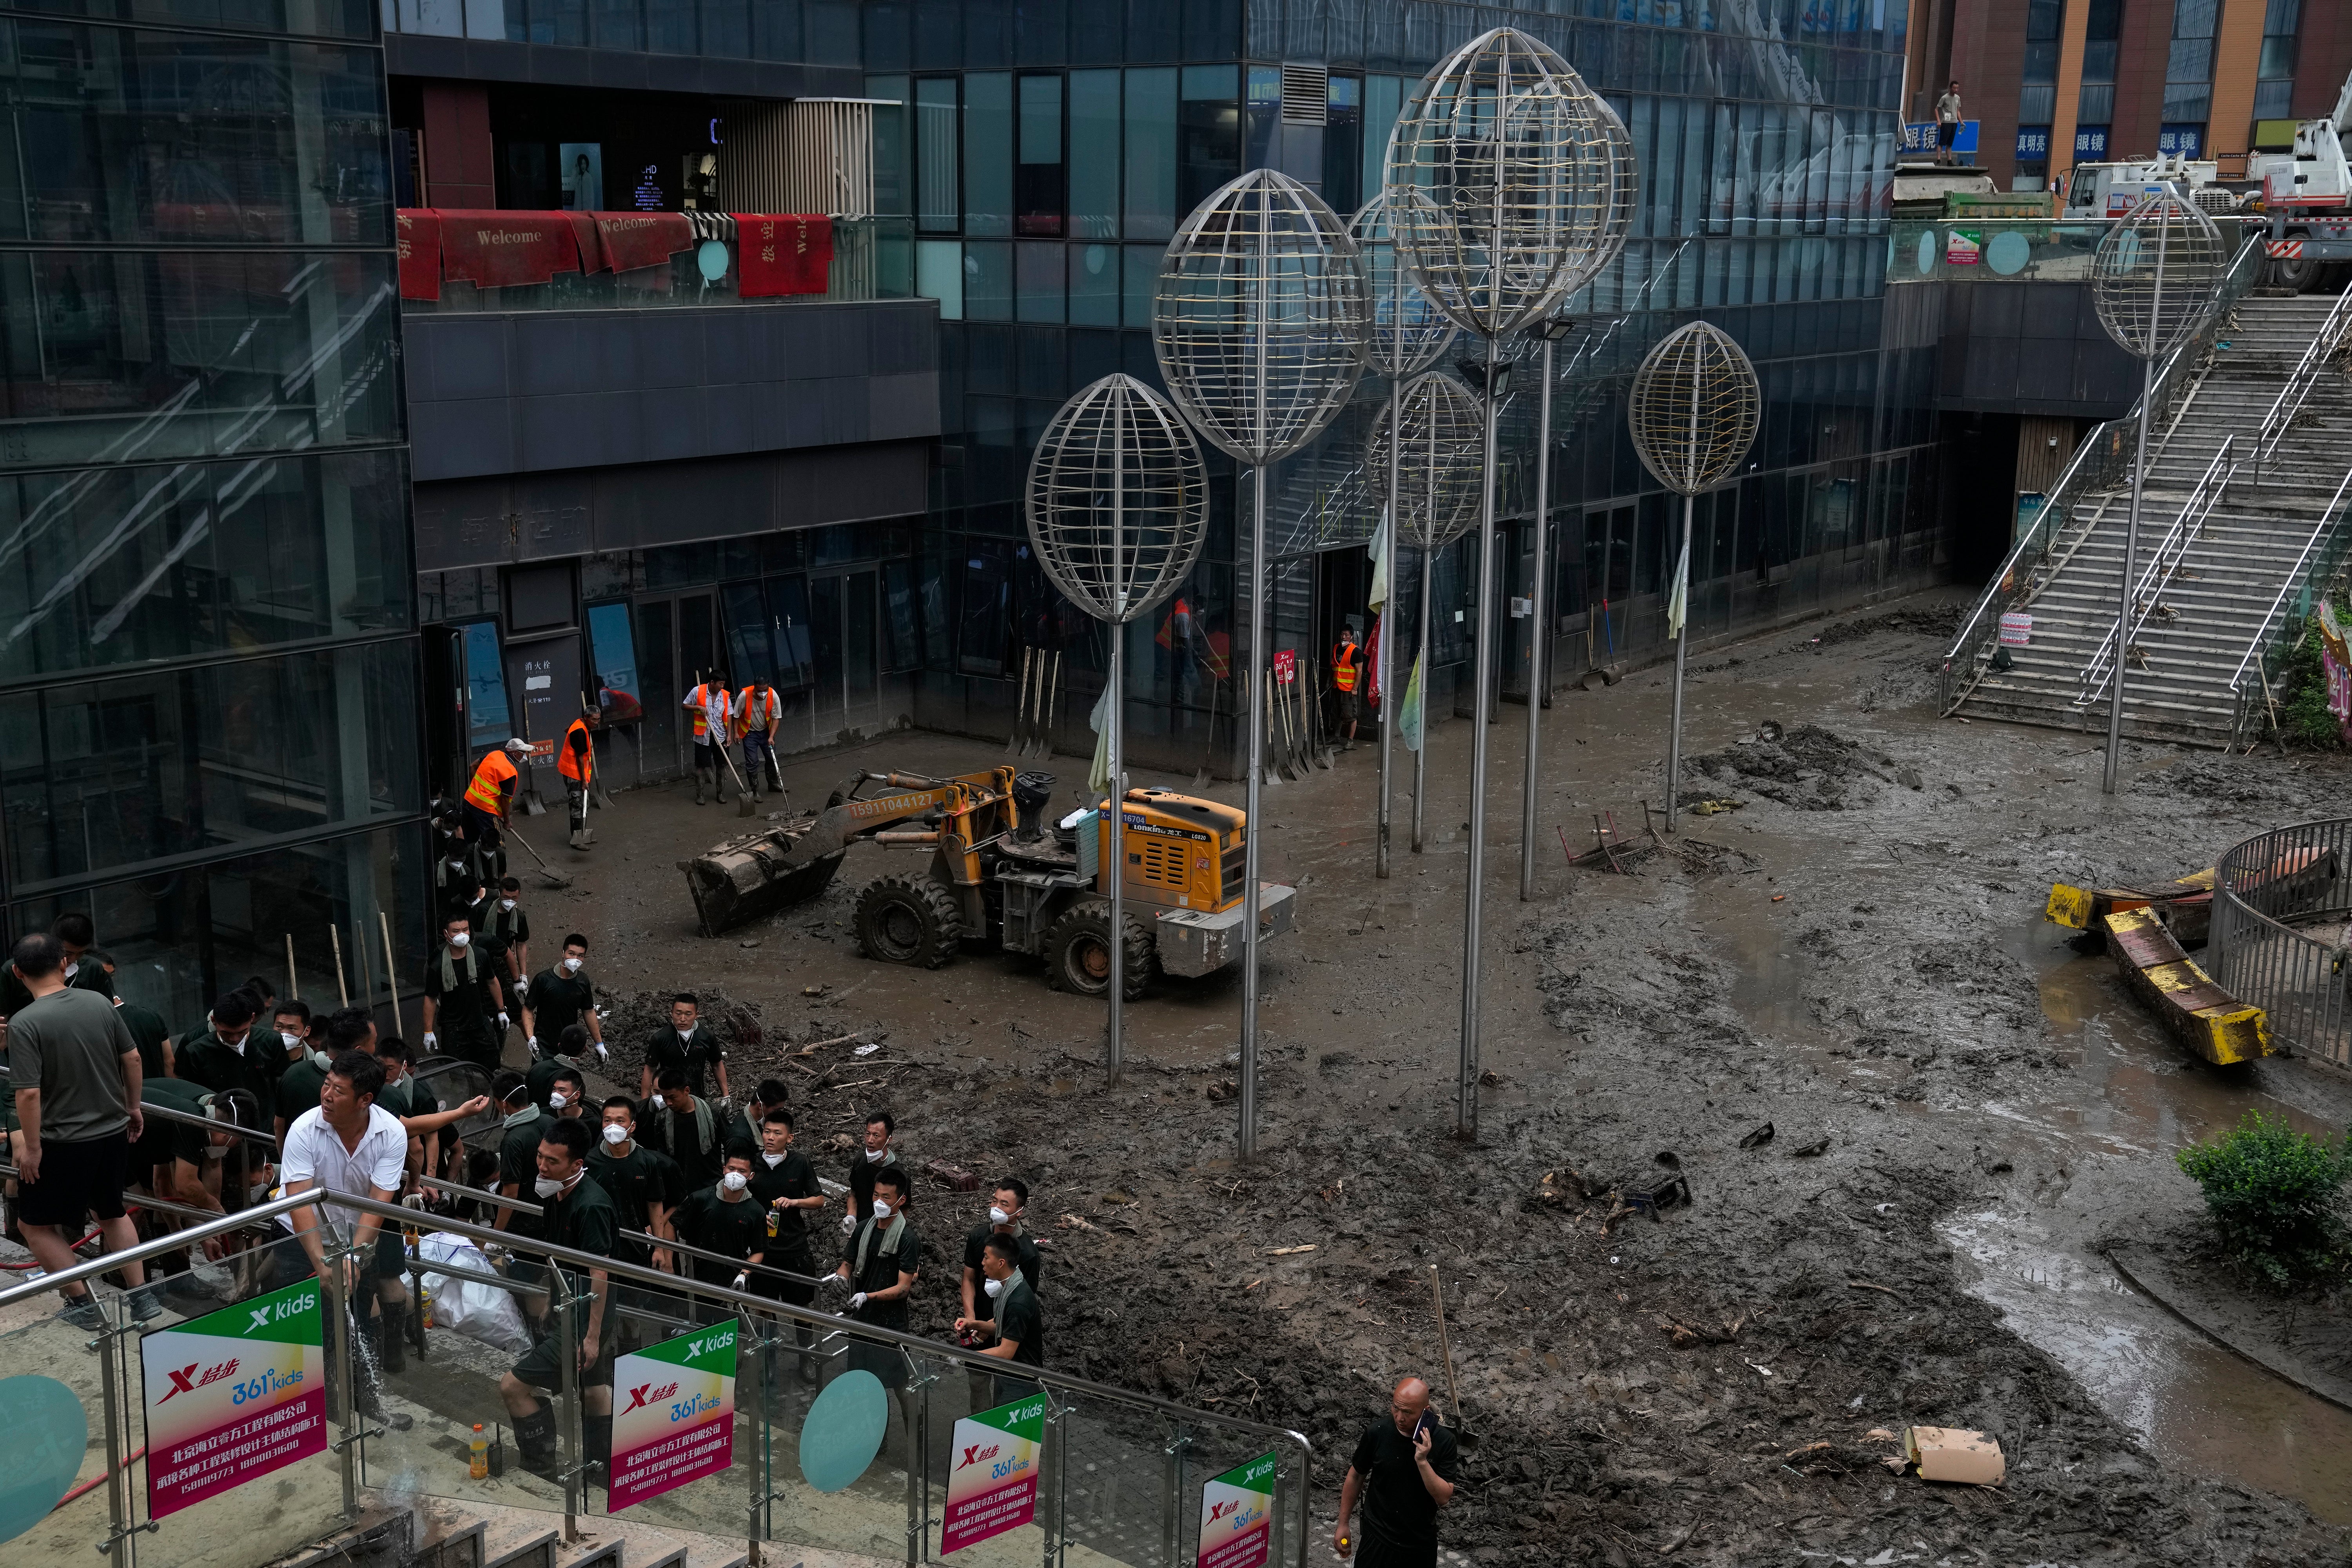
{"points": [[597, 1431], [366, 1391], [719, 783], [535, 1444], [393, 1356], [701, 782]]}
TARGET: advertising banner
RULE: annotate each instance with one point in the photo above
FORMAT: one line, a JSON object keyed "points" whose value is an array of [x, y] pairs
{"points": [[1237, 1516], [672, 1415], [992, 1483], [1285, 666], [232, 1395]]}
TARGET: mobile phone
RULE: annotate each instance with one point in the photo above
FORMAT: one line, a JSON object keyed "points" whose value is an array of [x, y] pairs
{"points": [[1428, 1422]]}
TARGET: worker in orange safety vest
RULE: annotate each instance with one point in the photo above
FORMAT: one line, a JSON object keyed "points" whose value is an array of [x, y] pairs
{"points": [[1347, 674], [714, 718], [759, 712], [489, 798], [576, 761]]}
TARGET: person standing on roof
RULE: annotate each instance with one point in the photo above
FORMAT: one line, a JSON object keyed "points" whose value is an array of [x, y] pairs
{"points": [[489, 798], [576, 761], [714, 716], [1947, 124], [759, 713]]}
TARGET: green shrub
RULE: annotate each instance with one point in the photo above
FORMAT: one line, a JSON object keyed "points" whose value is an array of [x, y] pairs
{"points": [[2301, 689], [2277, 1196]]}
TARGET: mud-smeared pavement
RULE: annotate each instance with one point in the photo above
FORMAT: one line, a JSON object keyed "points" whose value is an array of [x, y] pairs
{"points": [[1965, 1114]]}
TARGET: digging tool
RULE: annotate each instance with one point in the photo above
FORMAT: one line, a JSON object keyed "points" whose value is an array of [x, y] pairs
{"points": [[596, 795], [1446, 1347], [293, 981], [775, 770], [1302, 748], [744, 804], [1321, 733], [391, 969], [1286, 759], [1271, 756], [1014, 743], [1201, 773], [554, 878], [1052, 707], [335, 936]]}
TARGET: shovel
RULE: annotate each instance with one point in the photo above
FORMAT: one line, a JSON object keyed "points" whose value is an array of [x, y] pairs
{"points": [[1049, 704], [1321, 731], [555, 878], [744, 804], [1201, 773], [1274, 774], [596, 795], [1014, 743]]}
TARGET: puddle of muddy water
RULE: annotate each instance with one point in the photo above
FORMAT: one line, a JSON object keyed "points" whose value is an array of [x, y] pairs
{"points": [[2133, 1099]]}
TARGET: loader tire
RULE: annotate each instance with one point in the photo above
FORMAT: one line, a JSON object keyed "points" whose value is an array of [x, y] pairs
{"points": [[1077, 951], [907, 920]]}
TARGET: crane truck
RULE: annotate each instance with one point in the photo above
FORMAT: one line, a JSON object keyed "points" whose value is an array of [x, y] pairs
{"points": [[2308, 195], [1000, 870]]}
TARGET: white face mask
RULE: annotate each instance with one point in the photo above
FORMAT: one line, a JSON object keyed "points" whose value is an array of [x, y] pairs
{"points": [[571, 967], [461, 941], [216, 1151], [735, 1180], [547, 1188], [872, 1154], [236, 1046], [458, 864], [997, 1216], [993, 1287], [774, 1159], [881, 1208], [615, 1135], [558, 1099], [506, 903], [291, 1040]]}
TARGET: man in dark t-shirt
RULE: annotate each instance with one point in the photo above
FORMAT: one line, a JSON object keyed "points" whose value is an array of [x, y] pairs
{"points": [[726, 1219], [637, 1179], [578, 1215], [1405, 1468], [686, 1046], [1017, 1327], [561, 996], [465, 1009]]}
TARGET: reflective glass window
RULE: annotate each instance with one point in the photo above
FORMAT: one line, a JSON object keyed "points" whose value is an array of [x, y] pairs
{"points": [[988, 280], [128, 565], [1094, 154], [937, 164], [620, 697], [190, 354], [1040, 281], [988, 153], [321, 19], [1383, 100], [726, 28], [1039, 172], [1209, 125], [1151, 154], [894, 173], [775, 29], [831, 27], [1094, 285]]}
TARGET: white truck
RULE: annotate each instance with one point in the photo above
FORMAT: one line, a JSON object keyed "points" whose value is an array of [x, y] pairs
{"points": [[2111, 190], [2308, 195]]}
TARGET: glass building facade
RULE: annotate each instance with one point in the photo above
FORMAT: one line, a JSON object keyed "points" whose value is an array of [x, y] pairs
{"points": [[1046, 151], [208, 694]]}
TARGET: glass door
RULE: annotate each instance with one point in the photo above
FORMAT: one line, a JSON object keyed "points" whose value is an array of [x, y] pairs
{"points": [[657, 739], [843, 625]]}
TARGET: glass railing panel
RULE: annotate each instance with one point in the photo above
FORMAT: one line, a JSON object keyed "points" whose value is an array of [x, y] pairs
{"points": [[688, 1447], [53, 1405], [873, 258], [993, 1470], [1120, 1478], [844, 1445]]}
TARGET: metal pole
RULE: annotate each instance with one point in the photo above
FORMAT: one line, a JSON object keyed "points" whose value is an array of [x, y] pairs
{"points": [[2123, 595], [1681, 658], [1539, 639], [2131, 528], [1421, 654], [1250, 832], [1115, 860], [1384, 666], [1465, 1120], [341, 1323], [567, 1389], [109, 1368]]}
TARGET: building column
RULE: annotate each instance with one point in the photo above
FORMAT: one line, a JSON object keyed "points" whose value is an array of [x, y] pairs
{"points": [[2237, 55], [460, 165], [2072, 33]]}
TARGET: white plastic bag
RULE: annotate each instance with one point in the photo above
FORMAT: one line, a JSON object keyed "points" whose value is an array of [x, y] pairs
{"points": [[478, 1311]]}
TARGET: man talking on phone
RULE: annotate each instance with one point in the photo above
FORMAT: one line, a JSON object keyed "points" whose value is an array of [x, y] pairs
{"points": [[1403, 1470]]}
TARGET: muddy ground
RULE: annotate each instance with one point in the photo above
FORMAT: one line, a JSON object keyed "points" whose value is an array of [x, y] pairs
{"points": [[1964, 1112]]}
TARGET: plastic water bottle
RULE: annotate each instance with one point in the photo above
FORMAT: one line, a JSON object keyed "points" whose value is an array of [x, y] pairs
{"points": [[477, 1465]]}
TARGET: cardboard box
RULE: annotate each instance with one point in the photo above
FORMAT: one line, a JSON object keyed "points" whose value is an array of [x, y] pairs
{"points": [[1952, 1453]]}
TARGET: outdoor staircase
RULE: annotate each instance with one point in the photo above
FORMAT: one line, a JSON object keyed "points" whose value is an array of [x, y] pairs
{"points": [[2231, 568]]}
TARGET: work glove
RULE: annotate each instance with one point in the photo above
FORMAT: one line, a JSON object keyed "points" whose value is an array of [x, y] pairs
{"points": [[742, 1279], [522, 988], [835, 1279], [431, 1039], [857, 1300], [602, 1054], [533, 1045], [849, 1224], [504, 1024]]}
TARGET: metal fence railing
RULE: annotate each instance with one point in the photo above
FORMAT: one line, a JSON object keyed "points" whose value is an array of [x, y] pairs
{"points": [[2163, 565], [2101, 461], [2281, 924], [2317, 569]]}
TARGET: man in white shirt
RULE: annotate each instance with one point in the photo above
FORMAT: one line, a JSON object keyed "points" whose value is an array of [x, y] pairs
{"points": [[347, 1144]]}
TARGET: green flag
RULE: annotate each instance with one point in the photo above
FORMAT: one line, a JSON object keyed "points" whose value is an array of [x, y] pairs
{"points": [[1409, 716]]}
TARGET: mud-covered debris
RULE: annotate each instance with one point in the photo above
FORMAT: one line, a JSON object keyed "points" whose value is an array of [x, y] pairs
{"points": [[1224, 1089], [954, 1178], [1807, 1150], [1806, 768], [1758, 1138]]}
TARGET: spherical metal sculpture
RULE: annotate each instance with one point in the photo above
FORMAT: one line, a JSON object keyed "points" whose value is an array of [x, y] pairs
{"points": [[1259, 317], [2156, 272], [1117, 506], [2154, 279], [1258, 322], [1502, 178], [1693, 412], [1502, 182]]}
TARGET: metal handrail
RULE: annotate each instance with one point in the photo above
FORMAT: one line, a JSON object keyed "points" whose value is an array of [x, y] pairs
{"points": [[2162, 564], [139, 1200], [2014, 583], [2300, 380], [665, 1244], [615, 1269], [2258, 646]]}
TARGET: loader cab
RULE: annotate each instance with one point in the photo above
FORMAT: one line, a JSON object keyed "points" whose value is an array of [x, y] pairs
{"points": [[1176, 847]]}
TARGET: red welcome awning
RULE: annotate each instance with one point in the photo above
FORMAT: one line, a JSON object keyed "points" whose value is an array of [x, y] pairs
{"points": [[420, 253], [494, 249], [631, 240], [783, 253]]}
